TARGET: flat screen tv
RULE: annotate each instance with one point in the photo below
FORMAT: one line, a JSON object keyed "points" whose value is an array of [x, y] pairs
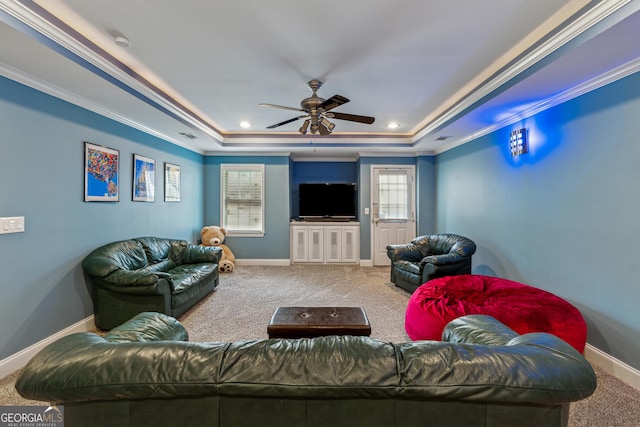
{"points": [[327, 200]]}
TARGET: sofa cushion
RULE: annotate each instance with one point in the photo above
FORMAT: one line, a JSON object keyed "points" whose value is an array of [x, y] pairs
{"points": [[156, 248], [176, 253], [186, 275], [161, 266], [411, 267]]}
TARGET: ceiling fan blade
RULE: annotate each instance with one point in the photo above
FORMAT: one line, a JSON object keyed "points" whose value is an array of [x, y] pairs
{"points": [[285, 122], [280, 106], [333, 102], [354, 118]]}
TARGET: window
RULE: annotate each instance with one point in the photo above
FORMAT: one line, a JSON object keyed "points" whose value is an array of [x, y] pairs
{"points": [[242, 197]]}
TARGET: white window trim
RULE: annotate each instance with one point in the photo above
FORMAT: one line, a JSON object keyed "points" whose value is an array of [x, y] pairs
{"points": [[251, 167]]}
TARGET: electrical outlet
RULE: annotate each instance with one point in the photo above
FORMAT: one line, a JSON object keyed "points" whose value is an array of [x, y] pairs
{"points": [[12, 224]]}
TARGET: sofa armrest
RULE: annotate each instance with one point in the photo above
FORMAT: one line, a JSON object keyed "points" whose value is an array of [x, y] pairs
{"points": [[478, 329], [196, 254], [148, 326], [133, 278], [186, 253], [450, 258], [406, 252]]}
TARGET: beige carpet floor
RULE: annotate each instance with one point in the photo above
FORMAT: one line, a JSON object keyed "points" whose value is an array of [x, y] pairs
{"points": [[243, 303]]}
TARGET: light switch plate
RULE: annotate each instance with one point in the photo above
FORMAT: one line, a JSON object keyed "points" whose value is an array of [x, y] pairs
{"points": [[12, 224]]}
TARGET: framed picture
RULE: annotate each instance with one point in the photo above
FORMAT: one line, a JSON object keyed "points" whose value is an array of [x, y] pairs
{"points": [[144, 179], [171, 182], [101, 166]]}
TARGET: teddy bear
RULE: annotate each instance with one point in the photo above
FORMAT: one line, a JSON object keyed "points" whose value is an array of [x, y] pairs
{"points": [[214, 236]]}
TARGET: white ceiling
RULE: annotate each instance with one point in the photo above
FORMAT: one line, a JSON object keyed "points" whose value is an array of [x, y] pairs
{"points": [[439, 68]]}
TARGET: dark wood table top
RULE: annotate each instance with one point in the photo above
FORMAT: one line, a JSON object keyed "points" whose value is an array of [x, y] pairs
{"points": [[307, 322]]}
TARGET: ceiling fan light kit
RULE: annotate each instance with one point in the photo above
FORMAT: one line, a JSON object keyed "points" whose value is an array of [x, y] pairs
{"points": [[317, 112]]}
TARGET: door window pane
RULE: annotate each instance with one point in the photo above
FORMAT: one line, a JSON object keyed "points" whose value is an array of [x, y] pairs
{"points": [[393, 195]]}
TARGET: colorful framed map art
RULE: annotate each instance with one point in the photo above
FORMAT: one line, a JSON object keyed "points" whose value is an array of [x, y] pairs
{"points": [[171, 182], [101, 166], [144, 179]]}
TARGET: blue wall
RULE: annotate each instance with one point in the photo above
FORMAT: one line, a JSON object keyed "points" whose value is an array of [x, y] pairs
{"points": [[275, 243], [425, 195], [41, 171], [563, 217]]}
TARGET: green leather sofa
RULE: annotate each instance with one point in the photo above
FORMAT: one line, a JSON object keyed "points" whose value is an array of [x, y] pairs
{"points": [[146, 373], [149, 274]]}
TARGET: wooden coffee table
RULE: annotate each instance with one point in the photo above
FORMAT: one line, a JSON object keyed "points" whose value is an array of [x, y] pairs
{"points": [[308, 322]]}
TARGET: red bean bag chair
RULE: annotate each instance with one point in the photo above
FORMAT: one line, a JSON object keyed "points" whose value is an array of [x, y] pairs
{"points": [[521, 307]]}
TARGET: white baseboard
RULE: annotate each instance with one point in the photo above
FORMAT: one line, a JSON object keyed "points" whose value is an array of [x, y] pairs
{"points": [[20, 359], [613, 366], [267, 262], [286, 262]]}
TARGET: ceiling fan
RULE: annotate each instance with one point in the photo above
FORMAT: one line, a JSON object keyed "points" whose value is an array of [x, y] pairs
{"points": [[317, 112]]}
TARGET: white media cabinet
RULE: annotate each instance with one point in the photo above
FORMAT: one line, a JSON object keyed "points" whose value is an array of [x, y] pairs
{"points": [[325, 242]]}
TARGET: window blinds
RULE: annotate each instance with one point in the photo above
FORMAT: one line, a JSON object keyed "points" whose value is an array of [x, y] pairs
{"points": [[243, 198]]}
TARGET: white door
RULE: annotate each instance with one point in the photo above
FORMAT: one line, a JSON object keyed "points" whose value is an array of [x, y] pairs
{"points": [[393, 211]]}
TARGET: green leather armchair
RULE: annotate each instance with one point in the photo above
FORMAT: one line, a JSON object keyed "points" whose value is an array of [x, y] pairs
{"points": [[428, 257]]}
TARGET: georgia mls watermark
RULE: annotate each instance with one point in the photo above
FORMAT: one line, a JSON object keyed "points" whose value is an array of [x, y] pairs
{"points": [[31, 416]]}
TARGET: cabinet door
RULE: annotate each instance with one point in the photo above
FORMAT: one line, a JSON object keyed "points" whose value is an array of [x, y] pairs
{"points": [[316, 244], [349, 243], [334, 244], [300, 244]]}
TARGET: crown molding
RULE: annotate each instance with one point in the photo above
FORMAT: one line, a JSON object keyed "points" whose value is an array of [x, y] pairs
{"points": [[297, 140], [568, 33], [303, 158], [247, 154], [57, 92], [43, 23]]}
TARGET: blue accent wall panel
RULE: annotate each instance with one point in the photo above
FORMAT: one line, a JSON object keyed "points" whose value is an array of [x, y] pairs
{"points": [[42, 144], [563, 217], [319, 172], [425, 195]]}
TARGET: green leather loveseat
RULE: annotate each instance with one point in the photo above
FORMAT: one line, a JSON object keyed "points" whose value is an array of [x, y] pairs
{"points": [[149, 274], [146, 373]]}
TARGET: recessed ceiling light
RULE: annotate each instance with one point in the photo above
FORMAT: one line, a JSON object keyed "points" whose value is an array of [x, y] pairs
{"points": [[393, 125], [245, 125]]}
